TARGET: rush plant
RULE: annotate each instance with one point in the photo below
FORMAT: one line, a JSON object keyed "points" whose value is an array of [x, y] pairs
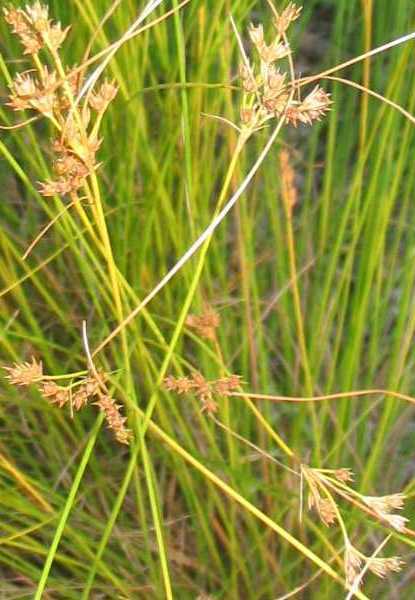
{"points": [[225, 244]]}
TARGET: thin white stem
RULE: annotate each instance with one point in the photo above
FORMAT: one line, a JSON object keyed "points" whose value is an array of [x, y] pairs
{"points": [[200, 240]]}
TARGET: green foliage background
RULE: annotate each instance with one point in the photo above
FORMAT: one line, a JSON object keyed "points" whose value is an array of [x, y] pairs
{"points": [[163, 165]]}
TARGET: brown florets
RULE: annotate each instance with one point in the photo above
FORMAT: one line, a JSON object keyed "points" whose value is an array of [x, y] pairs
{"points": [[323, 506], [312, 108], [34, 93], [289, 190], [288, 16], [383, 507], [205, 390], [76, 396], [344, 474], [266, 92], [105, 95], [352, 564], [34, 28], [113, 417], [55, 394], [52, 96], [205, 324], [383, 566], [25, 373]]}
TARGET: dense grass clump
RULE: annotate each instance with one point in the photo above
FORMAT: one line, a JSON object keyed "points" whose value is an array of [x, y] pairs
{"points": [[206, 282]]}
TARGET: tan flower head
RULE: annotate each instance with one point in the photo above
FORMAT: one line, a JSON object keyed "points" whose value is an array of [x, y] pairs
{"points": [[226, 385], [395, 521], [343, 474], [288, 15], [352, 564], [256, 33], [103, 97], [385, 504], [274, 96], [38, 14], [205, 324], [114, 419], [314, 106], [384, 566], [288, 187], [25, 86], [275, 51], [180, 385], [275, 80], [32, 43], [55, 394], [60, 187], [326, 511], [25, 373], [16, 19]]}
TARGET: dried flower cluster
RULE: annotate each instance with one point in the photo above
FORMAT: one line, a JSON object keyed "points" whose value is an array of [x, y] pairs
{"points": [[324, 505], [51, 91], [384, 506], [267, 93], [76, 395], [321, 482], [205, 390], [34, 28], [355, 560], [25, 373], [205, 324], [288, 187]]}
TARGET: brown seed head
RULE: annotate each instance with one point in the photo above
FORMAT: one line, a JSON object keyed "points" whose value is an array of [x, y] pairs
{"points": [[114, 419], [312, 108], [326, 511], [16, 19], [384, 566], [344, 475], [25, 373], [55, 35], [288, 188], [31, 43], [208, 404], [256, 33], [26, 28], [226, 385], [275, 79], [247, 115], [385, 504], [276, 51], [105, 95], [288, 15], [38, 15], [352, 564], [80, 398], [60, 187], [205, 324], [180, 385], [55, 394]]}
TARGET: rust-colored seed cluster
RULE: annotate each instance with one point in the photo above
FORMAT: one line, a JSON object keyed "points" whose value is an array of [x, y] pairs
{"points": [[321, 485], [52, 93], [266, 92], [354, 561], [34, 29], [205, 324], [288, 188], [76, 395], [205, 390]]}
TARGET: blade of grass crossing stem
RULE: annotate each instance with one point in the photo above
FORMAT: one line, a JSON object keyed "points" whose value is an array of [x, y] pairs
{"points": [[67, 508]]}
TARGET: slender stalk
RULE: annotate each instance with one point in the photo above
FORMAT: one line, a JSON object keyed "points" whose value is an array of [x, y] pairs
{"points": [[70, 500]]}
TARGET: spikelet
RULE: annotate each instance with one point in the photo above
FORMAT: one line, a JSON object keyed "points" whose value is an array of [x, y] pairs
{"points": [[25, 373]]}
